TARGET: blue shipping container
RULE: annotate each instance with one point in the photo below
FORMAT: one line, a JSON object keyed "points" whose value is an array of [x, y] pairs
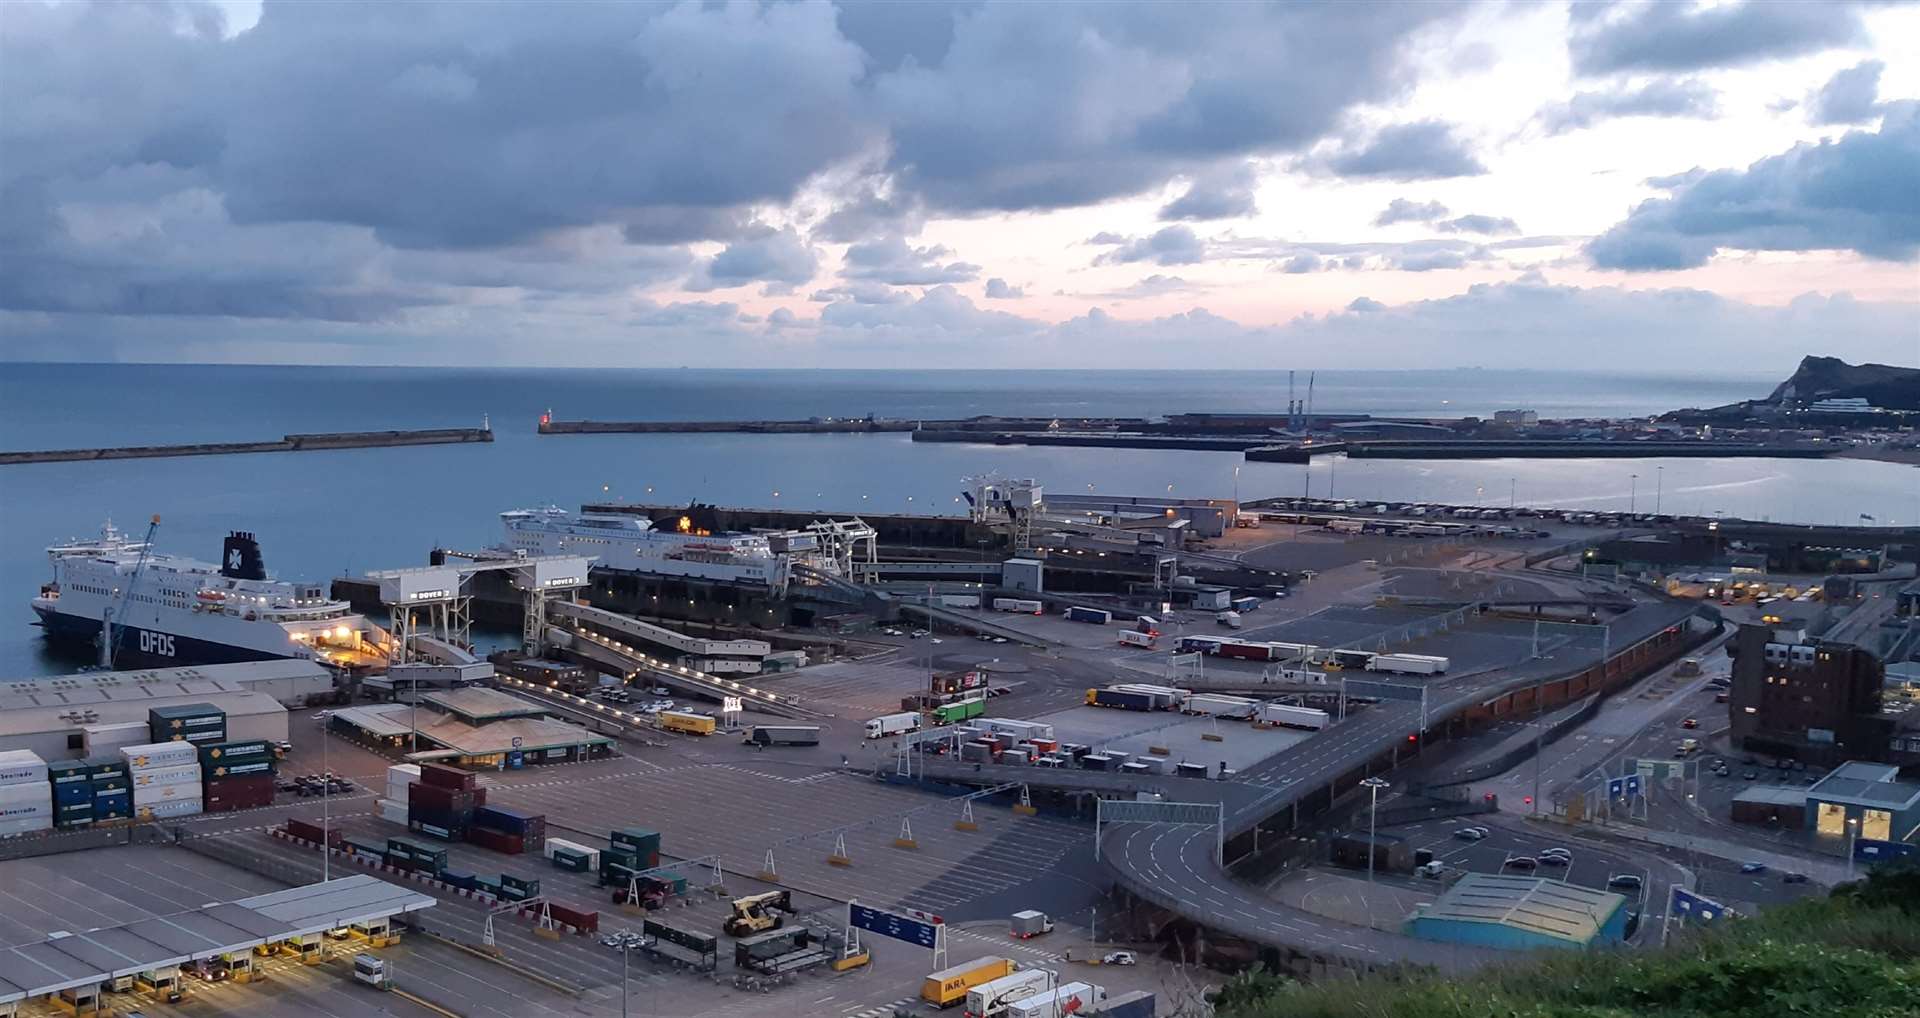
{"points": [[501, 818], [64, 795], [457, 878]]}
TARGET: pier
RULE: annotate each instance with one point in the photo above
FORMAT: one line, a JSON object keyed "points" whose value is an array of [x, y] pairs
{"points": [[981, 428], [1423, 449], [288, 443]]}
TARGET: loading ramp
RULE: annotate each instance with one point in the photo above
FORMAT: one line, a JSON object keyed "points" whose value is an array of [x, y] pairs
{"points": [[626, 660]]}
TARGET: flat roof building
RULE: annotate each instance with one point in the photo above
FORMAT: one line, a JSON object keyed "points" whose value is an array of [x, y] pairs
{"points": [[1865, 800], [59, 717], [1521, 913]]}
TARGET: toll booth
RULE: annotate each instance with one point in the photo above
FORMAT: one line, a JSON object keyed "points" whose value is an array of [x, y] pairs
{"points": [[164, 979], [77, 1000], [234, 965], [305, 947], [376, 932], [9, 1009]]}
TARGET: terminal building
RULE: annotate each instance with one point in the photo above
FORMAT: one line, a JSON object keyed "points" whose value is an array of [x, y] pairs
{"points": [[1521, 913], [67, 716], [1817, 701], [477, 727], [1865, 800]]}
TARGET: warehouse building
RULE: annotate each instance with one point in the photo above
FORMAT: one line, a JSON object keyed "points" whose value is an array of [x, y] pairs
{"points": [[1521, 914], [1865, 800], [68, 717], [1779, 806], [478, 728], [293, 683]]}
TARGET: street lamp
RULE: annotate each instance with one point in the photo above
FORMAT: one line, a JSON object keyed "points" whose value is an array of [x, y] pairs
{"points": [[1633, 492], [1853, 836], [1373, 786], [1659, 476]]}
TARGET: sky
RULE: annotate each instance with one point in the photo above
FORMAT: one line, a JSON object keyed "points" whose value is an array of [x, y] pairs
{"points": [[1652, 187]]}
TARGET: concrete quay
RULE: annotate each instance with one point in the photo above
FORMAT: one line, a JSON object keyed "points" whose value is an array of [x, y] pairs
{"points": [[288, 443]]}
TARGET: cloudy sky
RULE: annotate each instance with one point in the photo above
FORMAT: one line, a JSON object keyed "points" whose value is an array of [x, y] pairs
{"points": [[1637, 186]]}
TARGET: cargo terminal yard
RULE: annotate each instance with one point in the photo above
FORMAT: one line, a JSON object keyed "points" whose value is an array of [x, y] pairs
{"points": [[796, 763]]}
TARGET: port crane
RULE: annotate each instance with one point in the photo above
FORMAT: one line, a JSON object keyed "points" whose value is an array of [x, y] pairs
{"points": [[109, 640]]}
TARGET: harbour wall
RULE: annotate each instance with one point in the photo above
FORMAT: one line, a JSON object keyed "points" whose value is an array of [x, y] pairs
{"points": [[289, 443], [830, 426]]}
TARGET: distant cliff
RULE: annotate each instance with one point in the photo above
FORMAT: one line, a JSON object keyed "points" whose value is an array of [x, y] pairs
{"points": [[1832, 378]]}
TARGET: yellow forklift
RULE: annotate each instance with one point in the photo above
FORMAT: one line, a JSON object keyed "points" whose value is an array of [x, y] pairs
{"points": [[757, 913]]}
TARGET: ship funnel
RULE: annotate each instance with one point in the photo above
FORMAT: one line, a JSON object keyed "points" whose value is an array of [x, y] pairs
{"points": [[240, 558]]}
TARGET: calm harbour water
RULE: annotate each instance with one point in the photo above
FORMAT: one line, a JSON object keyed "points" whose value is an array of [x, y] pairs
{"points": [[323, 513]]}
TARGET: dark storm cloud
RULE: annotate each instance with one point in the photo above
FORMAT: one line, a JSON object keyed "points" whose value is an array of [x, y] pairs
{"points": [[1424, 150], [1661, 97], [1225, 193], [780, 258], [1849, 97], [891, 260], [1405, 210], [1174, 245], [1037, 106], [1677, 36], [1856, 193]]}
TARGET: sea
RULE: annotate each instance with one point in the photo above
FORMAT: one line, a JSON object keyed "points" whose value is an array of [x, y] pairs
{"points": [[322, 514]]}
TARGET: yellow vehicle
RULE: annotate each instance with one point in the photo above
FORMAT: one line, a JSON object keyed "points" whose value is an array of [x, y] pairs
{"points": [[949, 986], [755, 913], [687, 721]]}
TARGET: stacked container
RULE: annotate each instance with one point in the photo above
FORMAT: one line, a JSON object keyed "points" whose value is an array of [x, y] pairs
{"points": [[238, 775], [412, 855], [441, 803], [72, 793], [508, 830], [112, 787], [514, 888], [26, 798], [640, 842], [198, 723], [165, 778], [399, 776], [101, 740]]}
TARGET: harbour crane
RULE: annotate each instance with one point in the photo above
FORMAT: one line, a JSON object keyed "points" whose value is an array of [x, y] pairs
{"points": [[109, 640]]}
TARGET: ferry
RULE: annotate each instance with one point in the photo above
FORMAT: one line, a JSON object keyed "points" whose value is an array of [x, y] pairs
{"points": [[636, 544], [168, 610]]}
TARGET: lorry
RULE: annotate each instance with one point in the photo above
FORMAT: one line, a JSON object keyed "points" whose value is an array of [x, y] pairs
{"points": [[687, 722], [1094, 616], [1138, 1004], [960, 600], [991, 999], [960, 710], [1687, 746], [1016, 728], [1199, 644], [1286, 716], [1246, 650], [1249, 520], [1164, 697], [758, 913], [1408, 664], [1069, 999], [1030, 923], [783, 735], [949, 986], [1218, 705], [1246, 604], [1229, 619], [1122, 699], [1130, 638], [1014, 604], [892, 724]]}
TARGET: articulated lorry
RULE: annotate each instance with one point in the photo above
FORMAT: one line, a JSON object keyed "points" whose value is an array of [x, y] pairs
{"points": [[892, 724], [783, 735]]}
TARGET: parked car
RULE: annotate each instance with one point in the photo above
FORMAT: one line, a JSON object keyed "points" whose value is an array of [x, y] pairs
{"points": [[1753, 867], [1521, 862], [1750, 775], [1625, 881], [1119, 958], [1470, 834], [1554, 860], [1690, 723], [1793, 878]]}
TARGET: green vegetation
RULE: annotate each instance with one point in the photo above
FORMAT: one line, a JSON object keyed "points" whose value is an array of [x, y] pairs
{"points": [[1854, 954]]}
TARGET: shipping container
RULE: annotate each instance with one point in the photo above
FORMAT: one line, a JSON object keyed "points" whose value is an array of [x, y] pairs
{"points": [[147, 794], [1190, 770], [1285, 716], [156, 776], [1094, 616], [687, 722], [1199, 644], [249, 751], [1246, 604], [1016, 728], [571, 860], [992, 998], [173, 722], [1293, 651], [1096, 762], [66, 772], [362, 846], [1164, 697], [1119, 698], [784, 735], [442, 776], [1069, 999], [168, 808], [160, 754], [101, 739], [457, 878], [105, 767], [317, 834], [1248, 651], [960, 600], [1010, 604], [22, 766], [399, 777], [638, 840], [949, 986], [497, 841], [1131, 638], [67, 795], [445, 800]]}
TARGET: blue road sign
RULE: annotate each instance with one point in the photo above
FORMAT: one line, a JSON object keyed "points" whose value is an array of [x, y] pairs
{"points": [[1690, 907], [888, 924], [1619, 788], [1876, 850]]}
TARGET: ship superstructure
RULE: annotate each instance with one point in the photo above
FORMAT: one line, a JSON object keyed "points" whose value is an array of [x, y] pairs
{"points": [[635, 544]]}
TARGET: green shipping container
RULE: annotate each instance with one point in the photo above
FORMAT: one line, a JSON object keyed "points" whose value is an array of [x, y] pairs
{"points": [[638, 840], [961, 710]]}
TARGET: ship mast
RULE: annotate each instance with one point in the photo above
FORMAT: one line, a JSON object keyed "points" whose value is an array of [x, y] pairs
{"points": [[109, 640]]}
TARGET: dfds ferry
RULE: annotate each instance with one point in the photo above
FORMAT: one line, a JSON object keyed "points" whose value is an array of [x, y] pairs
{"points": [[168, 610]]}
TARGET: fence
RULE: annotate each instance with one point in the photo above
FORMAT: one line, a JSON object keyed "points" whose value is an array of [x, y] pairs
{"points": [[28, 846]]}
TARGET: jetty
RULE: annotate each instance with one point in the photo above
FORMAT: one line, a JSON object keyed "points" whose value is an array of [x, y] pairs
{"points": [[287, 443]]}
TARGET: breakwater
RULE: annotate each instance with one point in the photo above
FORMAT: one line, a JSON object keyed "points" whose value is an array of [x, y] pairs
{"points": [[976, 426], [1574, 449], [287, 443]]}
